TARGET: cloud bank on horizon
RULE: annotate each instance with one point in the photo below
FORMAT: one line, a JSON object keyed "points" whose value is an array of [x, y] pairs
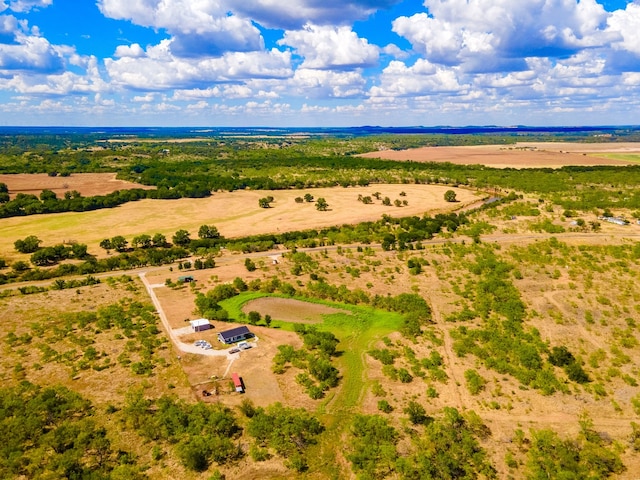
{"points": [[319, 62]]}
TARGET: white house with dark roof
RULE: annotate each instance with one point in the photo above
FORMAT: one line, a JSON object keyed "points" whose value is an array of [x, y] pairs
{"points": [[234, 335]]}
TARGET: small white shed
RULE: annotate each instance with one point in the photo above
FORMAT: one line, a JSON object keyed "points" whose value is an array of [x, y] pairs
{"points": [[200, 325]]}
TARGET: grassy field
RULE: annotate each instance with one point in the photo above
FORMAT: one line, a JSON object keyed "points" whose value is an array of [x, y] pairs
{"points": [[623, 157], [235, 214], [356, 332]]}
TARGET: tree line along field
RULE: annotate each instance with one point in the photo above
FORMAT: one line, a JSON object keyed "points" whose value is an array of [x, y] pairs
{"points": [[500, 342]]}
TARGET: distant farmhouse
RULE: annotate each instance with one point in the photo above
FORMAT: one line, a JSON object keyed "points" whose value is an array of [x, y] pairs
{"points": [[616, 220], [234, 335]]}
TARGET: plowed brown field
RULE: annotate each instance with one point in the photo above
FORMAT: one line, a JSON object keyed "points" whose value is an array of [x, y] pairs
{"points": [[88, 184]]}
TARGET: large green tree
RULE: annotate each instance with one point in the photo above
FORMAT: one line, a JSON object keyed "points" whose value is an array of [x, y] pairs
{"points": [[141, 241], [321, 204], [27, 245], [265, 202], [450, 196], [159, 240], [119, 243], [181, 238], [208, 231]]}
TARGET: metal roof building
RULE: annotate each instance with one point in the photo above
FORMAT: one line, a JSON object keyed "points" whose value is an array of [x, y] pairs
{"points": [[234, 335]]}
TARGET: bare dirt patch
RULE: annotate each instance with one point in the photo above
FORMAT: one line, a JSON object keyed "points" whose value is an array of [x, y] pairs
{"points": [[291, 310], [520, 155], [262, 386], [88, 184]]}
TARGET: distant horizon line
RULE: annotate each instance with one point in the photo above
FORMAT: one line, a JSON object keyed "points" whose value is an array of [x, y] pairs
{"points": [[209, 129], [331, 126]]}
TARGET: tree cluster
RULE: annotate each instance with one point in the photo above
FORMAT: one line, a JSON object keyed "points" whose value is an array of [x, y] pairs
{"points": [[287, 431], [52, 433], [314, 359], [200, 433], [444, 447]]}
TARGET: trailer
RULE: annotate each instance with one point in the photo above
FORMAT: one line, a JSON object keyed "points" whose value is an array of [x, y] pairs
{"points": [[237, 382]]}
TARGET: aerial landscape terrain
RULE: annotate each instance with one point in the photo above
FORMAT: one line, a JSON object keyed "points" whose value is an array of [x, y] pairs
{"points": [[319, 240], [320, 306]]}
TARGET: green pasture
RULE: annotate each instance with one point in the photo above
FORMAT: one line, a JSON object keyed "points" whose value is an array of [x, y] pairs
{"points": [[357, 332], [623, 157]]}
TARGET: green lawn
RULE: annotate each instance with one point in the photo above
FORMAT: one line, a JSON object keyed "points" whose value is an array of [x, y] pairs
{"points": [[357, 332], [623, 157]]}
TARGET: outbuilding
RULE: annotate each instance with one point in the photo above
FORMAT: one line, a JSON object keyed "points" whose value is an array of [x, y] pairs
{"points": [[234, 335], [200, 325], [237, 382]]}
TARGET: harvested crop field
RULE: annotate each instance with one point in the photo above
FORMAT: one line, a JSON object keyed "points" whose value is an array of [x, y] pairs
{"points": [[290, 310], [520, 155], [88, 184], [235, 214]]}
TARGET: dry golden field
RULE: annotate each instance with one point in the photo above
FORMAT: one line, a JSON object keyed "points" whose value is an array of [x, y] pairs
{"points": [[559, 300], [235, 214], [520, 155]]}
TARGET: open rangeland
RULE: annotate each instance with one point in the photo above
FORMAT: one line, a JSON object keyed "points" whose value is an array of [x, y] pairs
{"points": [[503, 403], [558, 302], [521, 155], [579, 290], [87, 184], [235, 214]]}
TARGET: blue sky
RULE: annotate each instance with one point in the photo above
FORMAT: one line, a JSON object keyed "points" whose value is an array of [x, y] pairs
{"points": [[319, 62]]}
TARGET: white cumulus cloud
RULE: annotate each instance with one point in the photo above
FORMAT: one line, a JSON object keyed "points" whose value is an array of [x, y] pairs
{"points": [[627, 23], [133, 51], [459, 32], [161, 70], [332, 48], [327, 84], [294, 14], [422, 78], [31, 53], [199, 28], [25, 5]]}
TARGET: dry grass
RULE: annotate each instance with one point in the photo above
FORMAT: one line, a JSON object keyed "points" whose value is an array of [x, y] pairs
{"points": [[560, 305], [521, 155], [107, 386], [234, 213], [503, 405]]}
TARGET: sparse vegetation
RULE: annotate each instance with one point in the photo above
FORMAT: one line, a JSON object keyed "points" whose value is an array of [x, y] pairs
{"points": [[518, 309]]}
